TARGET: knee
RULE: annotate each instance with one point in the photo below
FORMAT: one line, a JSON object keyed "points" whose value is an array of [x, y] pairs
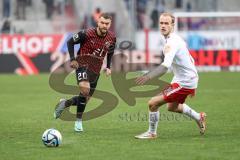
{"points": [[151, 104], [84, 91], [84, 88]]}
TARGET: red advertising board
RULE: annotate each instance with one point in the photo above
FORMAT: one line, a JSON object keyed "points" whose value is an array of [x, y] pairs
{"points": [[25, 47], [29, 44], [222, 58], [31, 54]]}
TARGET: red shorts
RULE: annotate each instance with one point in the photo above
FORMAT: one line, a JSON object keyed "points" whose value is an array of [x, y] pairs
{"points": [[176, 93]]}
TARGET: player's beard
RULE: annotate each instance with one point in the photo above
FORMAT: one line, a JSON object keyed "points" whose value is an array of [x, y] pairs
{"points": [[103, 31]]}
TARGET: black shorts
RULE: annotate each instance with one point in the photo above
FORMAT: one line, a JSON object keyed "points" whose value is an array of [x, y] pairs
{"points": [[83, 74]]}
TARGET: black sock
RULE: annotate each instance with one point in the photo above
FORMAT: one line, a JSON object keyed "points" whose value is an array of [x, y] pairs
{"points": [[74, 100], [81, 106]]}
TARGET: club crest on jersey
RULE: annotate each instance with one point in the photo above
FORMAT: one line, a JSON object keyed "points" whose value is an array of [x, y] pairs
{"points": [[166, 49], [107, 44]]}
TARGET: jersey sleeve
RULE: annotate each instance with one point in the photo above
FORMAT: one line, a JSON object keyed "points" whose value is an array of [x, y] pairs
{"points": [[77, 38], [110, 53], [169, 51]]}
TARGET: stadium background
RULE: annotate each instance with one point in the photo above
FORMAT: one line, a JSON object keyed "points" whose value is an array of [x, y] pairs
{"points": [[32, 42]]}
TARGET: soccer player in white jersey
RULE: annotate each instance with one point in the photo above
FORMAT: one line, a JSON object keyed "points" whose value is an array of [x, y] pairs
{"points": [[184, 83]]}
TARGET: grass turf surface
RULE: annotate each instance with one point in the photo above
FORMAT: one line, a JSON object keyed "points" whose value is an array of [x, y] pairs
{"points": [[26, 110]]}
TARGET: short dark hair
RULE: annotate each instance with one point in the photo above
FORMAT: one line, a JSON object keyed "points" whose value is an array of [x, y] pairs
{"points": [[106, 16]]}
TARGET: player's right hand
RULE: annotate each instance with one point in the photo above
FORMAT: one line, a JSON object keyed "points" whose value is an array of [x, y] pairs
{"points": [[74, 64], [142, 79]]}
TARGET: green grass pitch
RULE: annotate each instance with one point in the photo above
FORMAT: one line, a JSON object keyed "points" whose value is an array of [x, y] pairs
{"points": [[26, 110]]}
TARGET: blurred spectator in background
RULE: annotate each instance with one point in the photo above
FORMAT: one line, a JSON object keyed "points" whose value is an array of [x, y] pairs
{"points": [[49, 8], [95, 16], [29, 3], [127, 2], [161, 6], [6, 8], [189, 6], [189, 19], [60, 5], [141, 13], [21, 9], [178, 4], [159, 9], [154, 17], [6, 27]]}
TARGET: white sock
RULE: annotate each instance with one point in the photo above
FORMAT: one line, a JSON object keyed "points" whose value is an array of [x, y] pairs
{"points": [[153, 122], [190, 112], [78, 119]]}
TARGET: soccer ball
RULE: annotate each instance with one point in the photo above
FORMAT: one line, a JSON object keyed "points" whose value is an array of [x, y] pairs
{"points": [[52, 138]]}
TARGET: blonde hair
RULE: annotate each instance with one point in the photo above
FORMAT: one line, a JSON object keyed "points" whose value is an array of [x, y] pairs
{"points": [[170, 15]]}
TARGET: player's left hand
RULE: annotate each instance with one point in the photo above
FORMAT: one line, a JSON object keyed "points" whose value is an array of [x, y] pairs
{"points": [[142, 79], [107, 71]]}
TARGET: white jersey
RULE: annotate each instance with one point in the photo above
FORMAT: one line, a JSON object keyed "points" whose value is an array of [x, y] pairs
{"points": [[177, 56]]}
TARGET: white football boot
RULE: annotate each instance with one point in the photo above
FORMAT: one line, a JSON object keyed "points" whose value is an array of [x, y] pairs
{"points": [[146, 135], [78, 127], [202, 123]]}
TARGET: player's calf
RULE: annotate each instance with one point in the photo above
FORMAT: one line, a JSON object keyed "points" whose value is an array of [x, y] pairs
{"points": [[174, 107]]}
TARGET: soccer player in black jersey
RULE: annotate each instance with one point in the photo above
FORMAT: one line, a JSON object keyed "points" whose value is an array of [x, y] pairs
{"points": [[96, 43]]}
